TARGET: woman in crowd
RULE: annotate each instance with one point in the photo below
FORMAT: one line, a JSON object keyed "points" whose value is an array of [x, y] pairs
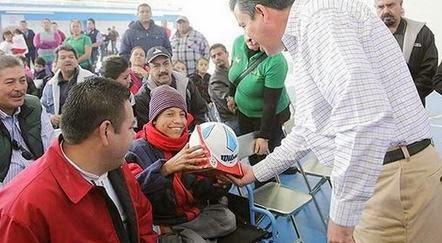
{"points": [[259, 95], [162, 160], [138, 69], [81, 43]]}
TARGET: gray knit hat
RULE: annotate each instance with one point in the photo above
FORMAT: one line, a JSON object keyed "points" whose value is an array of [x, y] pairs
{"points": [[164, 97]]}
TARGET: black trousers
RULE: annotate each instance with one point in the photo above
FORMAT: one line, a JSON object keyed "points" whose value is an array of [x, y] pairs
{"points": [[248, 124]]}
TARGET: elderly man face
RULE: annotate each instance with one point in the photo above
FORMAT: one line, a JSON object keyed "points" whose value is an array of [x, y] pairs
{"points": [[13, 88]]}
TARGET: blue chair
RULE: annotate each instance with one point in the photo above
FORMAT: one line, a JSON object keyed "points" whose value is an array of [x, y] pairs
{"points": [[272, 199]]}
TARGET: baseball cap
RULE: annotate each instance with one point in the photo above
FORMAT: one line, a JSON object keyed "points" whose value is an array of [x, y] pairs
{"points": [[183, 18], [157, 51]]}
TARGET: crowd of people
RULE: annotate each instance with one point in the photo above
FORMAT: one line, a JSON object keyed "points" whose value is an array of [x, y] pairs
{"points": [[119, 171]]}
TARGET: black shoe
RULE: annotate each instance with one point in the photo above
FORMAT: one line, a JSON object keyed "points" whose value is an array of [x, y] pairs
{"points": [[291, 171]]}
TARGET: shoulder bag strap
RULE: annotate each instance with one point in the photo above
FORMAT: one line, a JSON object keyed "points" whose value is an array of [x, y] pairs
{"points": [[250, 68]]}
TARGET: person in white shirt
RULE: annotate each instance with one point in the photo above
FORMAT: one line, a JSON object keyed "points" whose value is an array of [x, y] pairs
{"points": [[358, 111]]}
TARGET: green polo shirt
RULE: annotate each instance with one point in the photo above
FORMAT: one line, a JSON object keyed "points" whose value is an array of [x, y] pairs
{"points": [[79, 45], [270, 73]]}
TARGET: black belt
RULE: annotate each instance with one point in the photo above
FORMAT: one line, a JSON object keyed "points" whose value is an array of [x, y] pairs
{"points": [[413, 149]]}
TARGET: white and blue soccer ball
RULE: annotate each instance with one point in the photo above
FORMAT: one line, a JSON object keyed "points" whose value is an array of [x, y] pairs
{"points": [[220, 140]]}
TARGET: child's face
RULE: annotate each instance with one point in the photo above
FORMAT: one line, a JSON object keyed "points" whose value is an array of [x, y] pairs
{"points": [[38, 67], [179, 67], [202, 66]]}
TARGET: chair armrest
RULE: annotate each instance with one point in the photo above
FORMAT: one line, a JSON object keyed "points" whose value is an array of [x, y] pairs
{"points": [[253, 209]]}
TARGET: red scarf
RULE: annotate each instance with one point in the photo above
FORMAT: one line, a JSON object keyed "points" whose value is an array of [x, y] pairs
{"points": [[169, 146]]}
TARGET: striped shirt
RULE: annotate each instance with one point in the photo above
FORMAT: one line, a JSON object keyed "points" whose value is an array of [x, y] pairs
{"points": [[355, 99], [18, 163], [189, 48]]}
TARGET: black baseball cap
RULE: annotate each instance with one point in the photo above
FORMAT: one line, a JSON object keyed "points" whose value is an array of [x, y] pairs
{"points": [[155, 52]]}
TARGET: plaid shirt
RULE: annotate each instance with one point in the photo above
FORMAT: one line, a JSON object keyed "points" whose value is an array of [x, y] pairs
{"points": [[189, 48]]}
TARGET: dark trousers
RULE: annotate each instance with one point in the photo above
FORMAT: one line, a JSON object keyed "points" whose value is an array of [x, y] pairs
{"points": [[94, 57], [30, 56], [248, 124]]}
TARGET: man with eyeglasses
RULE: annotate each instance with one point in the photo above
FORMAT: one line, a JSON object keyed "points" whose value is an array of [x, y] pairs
{"points": [[160, 64], [25, 129]]}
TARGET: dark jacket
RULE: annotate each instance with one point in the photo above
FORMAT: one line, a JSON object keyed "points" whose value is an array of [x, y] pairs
{"points": [[162, 192], [137, 35], [202, 84], [219, 89], [29, 38], [32, 89], [423, 59], [30, 125], [196, 106]]}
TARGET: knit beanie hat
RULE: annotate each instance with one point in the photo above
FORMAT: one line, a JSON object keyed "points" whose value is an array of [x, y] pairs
{"points": [[164, 97]]}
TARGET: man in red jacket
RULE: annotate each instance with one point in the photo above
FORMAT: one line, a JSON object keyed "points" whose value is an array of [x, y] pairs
{"points": [[80, 190]]}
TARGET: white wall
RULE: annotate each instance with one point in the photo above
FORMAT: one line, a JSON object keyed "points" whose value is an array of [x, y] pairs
{"points": [[214, 19]]}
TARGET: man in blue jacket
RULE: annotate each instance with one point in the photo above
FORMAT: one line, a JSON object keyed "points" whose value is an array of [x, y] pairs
{"points": [[143, 32]]}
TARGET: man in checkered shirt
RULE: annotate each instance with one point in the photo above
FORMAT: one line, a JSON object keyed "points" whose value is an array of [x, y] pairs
{"points": [[188, 45], [358, 111]]}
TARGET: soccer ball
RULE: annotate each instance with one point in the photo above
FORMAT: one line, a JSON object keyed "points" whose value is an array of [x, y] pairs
{"points": [[219, 140]]}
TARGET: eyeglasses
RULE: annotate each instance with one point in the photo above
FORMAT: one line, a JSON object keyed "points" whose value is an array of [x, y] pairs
{"points": [[24, 153]]}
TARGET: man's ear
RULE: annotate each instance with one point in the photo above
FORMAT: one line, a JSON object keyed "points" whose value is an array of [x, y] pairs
{"points": [[103, 132], [263, 12]]}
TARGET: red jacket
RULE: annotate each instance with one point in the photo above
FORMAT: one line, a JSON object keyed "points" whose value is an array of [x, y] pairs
{"points": [[51, 202]]}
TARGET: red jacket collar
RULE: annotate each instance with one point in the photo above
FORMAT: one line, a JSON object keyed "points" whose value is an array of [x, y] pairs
{"points": [[70, 180]]}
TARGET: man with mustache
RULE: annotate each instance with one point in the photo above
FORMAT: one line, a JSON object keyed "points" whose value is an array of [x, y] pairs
{"points": [[25, 130], [57, 89], [416, 41], [160, 63], [219, 85]]}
